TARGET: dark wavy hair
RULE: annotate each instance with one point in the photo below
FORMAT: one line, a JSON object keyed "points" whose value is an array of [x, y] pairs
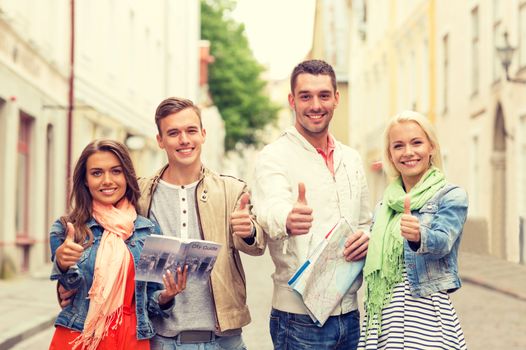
{"points": [[314, 67], [80, 198]]}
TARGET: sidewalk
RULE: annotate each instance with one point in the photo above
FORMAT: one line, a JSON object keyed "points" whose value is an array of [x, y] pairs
{"points": [[28, 305], [495, 274]]}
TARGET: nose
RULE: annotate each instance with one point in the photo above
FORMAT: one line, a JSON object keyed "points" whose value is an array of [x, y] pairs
{"points": [[408, 149], [106, 178], [183, 138], [316, 103]]}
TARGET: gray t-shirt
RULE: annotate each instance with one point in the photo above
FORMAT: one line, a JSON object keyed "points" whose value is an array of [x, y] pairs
{"points": [[174, 209]]}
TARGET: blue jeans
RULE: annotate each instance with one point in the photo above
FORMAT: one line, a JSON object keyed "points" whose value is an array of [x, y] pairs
{"points": [[297, 332], [220, 343]]}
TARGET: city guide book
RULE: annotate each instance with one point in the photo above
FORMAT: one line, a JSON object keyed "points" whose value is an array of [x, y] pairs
{"points": [[162, 253], [325, 277]]}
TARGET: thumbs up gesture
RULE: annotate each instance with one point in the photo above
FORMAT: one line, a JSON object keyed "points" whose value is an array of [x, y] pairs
{"points": [[240, 221], [69, 252], [409, 224], [299, 220]]}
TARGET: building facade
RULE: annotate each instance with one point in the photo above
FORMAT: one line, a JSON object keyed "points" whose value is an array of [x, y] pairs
{"points": [[439, 58], [128, 56]]}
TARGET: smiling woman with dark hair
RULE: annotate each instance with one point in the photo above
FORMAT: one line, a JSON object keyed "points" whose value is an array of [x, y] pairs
{"points": [[95, 250]]}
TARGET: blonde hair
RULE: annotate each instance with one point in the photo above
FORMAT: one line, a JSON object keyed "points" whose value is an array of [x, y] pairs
{"points": [[427, 127]]}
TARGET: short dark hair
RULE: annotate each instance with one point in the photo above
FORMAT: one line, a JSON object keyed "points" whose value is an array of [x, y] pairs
{"points": [[314, 67], [173, 105]]}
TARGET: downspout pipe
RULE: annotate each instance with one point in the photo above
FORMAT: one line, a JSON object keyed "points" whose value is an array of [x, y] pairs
{"points": [[71, 101]]}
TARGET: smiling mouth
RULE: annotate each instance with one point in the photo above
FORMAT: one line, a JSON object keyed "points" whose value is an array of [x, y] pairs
{"points": [[411, 162], [185, 150], [108, 191], [315, 116]]}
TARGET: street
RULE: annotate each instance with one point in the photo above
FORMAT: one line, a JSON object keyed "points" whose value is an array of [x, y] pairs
{"points": [[490, 320]]}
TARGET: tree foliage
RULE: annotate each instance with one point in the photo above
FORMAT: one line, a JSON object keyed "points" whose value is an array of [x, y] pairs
{"points": [[234, 81]]}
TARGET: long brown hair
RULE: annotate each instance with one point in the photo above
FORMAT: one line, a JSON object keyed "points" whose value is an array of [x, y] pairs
{"points": [[80, 198]]}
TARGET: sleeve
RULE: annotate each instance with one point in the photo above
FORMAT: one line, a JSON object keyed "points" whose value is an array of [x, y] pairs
{"points": [[439, 236], [272, 195], [72, 278]]}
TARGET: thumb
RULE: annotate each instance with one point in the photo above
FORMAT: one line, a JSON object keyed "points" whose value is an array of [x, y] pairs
{"points": [[301, 193], [243, 202], [70, 232], [407, 205]]}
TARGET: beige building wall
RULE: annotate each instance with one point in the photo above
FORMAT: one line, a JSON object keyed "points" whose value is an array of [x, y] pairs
{"points": [[330, 42], [481, 117], [438, 57], [126, 64], [390, 70]]}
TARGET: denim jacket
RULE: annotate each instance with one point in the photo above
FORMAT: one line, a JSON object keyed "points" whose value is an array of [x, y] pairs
{"points": [[432, 265], [80, 277]]}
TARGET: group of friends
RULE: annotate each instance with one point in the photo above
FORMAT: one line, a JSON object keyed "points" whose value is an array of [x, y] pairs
{"points": [[304, 183]]}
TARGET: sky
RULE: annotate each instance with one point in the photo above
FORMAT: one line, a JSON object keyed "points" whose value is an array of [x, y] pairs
{"points": [[279, 31]]}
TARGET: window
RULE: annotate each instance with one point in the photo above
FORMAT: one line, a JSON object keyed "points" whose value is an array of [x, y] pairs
{"points": [[475, 51], [22, 187], [445, 73]]}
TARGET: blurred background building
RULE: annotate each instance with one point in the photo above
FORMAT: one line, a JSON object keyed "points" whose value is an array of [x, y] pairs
{"points": [[127, 57], [436, 57], [440, 58]]}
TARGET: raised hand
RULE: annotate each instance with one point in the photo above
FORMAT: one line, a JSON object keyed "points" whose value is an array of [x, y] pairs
{"points": [[69, 252], [409, 224], [240, 219], [356, 246], [173, 286], [299, 220]]}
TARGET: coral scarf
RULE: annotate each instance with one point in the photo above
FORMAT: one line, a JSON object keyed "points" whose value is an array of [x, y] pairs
{"points": [[111, 266], [384, 263]]}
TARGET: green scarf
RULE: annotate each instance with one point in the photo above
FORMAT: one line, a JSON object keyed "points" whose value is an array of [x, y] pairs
{"points": [[384, 263]]}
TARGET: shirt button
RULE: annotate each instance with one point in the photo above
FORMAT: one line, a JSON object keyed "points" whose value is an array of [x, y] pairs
{"points": [[183, 199], [184, 211], [184, 224], [182, 187]]}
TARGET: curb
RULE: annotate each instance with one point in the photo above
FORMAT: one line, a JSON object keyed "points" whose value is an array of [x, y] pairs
{"points": [[15, 336], [484, 284]]}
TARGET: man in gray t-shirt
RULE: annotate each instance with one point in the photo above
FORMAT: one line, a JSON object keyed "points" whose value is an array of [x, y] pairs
{"points": [[189, 201]]}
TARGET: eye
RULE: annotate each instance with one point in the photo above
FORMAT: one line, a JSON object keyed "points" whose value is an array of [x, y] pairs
{"points": [[96, 173], [192, 131], [304, 97], [325, 96], [173, 133], [116, 171]]}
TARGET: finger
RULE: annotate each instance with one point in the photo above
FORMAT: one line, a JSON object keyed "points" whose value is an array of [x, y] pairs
{"points": [[185, 275], [64, 303], [407, 205], [352, 238], [302, 209], [243, 221], [243, 202], [357, 253], [70, 233], [301, 193]]}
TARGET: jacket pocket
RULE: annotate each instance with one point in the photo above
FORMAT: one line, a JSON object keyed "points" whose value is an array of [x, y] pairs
{"points": [[436, 268], [427, 213]]}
